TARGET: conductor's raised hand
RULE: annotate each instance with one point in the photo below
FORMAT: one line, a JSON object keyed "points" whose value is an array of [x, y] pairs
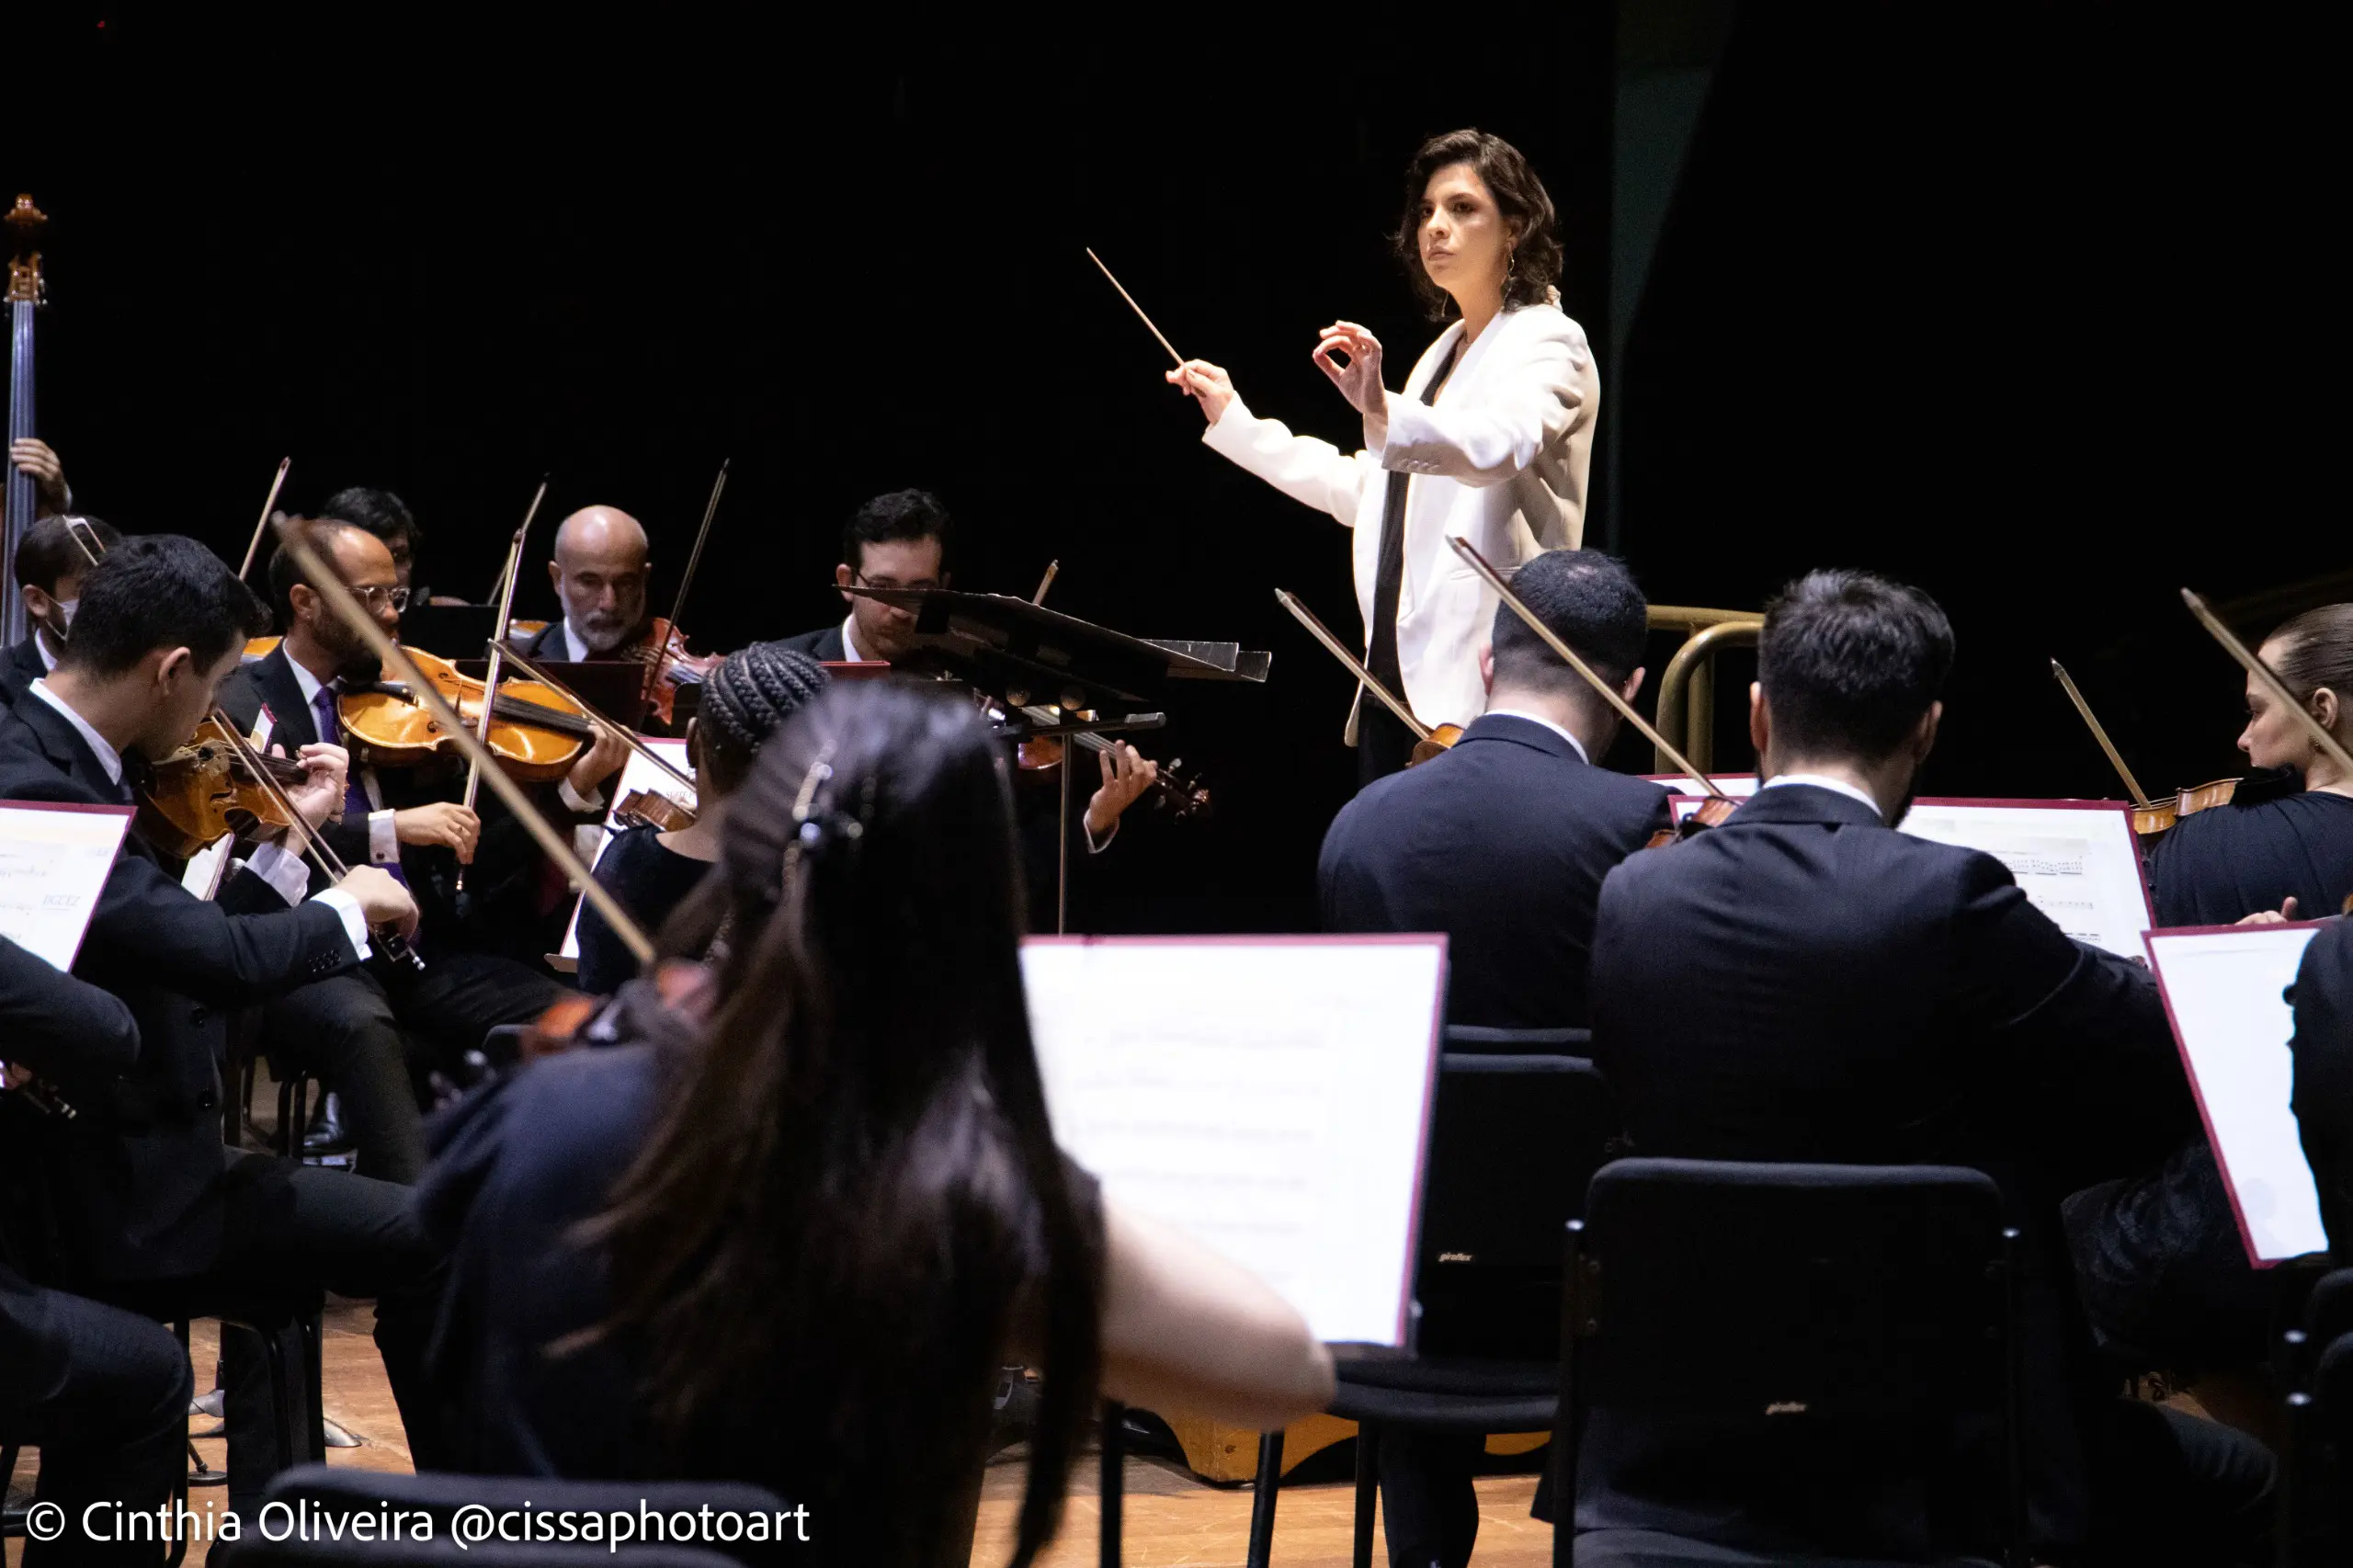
{"points": [[1350, 356], [1206, 384]]}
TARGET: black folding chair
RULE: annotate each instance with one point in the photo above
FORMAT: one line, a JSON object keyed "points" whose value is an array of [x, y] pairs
{"points": [[1514, 1137], [1837, 1298], [2315, 1518], [329, 1502]]}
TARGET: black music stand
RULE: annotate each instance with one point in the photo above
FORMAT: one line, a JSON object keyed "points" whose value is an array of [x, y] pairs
{"points": [[1045, 667]]}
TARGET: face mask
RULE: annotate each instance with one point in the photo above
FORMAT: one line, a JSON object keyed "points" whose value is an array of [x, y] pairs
{"points": [[65, 608]]}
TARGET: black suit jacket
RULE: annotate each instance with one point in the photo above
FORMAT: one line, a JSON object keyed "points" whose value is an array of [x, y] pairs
{"points": [[138, 1172], [67, 1030], [268, 682], [21, 665], [1502, 843], [1805, 983], [824, 644], [2323, 1049]]}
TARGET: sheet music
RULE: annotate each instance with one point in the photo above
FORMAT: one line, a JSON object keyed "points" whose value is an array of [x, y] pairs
{"points": [[53, 860], [636, 774], [1271, 1095], [2079, 865], [1739, 785], [2223, 992]]}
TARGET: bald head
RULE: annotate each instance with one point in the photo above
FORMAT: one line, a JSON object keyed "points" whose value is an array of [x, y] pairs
{"points": [[599, 572]]}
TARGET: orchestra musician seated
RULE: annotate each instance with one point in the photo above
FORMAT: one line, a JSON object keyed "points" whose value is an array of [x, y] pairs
{"points": [[651, 869], [806, 1200], [600, 569], [356, 1031], [102, 1392], [2284, 840], [387, 516], [1806, 983], [48, 567], [148, 1205], [1501, 842], [901, 540]]}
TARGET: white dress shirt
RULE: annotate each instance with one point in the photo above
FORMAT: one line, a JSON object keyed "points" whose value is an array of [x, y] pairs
{"points": [[1539, 719], [383, 833], [849, 640], [273, 863], [1823, 782]]}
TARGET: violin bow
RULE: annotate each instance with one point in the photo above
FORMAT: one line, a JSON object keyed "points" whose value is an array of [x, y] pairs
{"points": [[1053, 570], [330, 588], [1354, 665], [2269, 679], [525, 662], [2100, 733], [253, 545], [685, 581], [1478, 562], [498, 648]]}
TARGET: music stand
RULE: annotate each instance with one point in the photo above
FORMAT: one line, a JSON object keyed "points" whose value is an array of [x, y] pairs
{"points": [[1045, 667]]}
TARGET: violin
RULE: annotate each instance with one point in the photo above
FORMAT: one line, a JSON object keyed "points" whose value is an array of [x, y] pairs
{"points": [[206, 788], [651, 808], [668, 667], [534, 732], [1173, 790]]}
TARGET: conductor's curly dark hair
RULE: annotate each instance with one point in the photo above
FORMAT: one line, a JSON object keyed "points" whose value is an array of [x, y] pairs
{"points": [[1519, 196]]}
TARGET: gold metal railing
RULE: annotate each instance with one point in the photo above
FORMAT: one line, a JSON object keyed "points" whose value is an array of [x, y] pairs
{"points": [[1687, 692]]}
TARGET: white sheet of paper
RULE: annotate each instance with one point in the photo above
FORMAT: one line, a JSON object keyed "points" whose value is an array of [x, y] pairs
{"points": [[1739, 785], [53, 860], [2223, 991], [2077, 863], [1269, 1095], [636, 774]]}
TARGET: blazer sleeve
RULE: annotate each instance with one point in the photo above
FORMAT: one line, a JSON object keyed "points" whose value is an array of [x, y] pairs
{"points": [[1520, 407], [2322, 1097], [148, 922], [1301, 467], [61, 1027]]}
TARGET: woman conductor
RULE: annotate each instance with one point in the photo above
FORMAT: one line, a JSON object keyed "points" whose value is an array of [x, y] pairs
{"points": [[1491, 439]]}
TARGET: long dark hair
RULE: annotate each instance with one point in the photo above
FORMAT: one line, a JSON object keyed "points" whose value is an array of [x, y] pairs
{"points": [[1519, 196], [853, 1183]]}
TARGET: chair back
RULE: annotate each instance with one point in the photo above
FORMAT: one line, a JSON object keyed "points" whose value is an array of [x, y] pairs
{"points": [[1514, 1139], [1843, 1294], [1477, 1040], [2328, 1309]]}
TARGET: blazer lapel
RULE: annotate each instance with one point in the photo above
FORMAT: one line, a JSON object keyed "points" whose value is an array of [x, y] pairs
{"points": [[292, 723]]}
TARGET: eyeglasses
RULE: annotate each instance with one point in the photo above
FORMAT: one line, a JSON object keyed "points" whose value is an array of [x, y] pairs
{"points": [[892, 584], [373, 595]]}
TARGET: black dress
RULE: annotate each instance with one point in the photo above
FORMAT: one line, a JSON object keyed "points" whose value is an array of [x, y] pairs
{"points": [[2276, 839], [517, 1167], [650, 881]]}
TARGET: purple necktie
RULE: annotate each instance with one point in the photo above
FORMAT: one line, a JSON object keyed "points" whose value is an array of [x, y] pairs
{"points": [[356, 804]]}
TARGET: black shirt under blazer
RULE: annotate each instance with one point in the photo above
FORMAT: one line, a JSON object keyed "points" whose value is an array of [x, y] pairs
{"points": [[1501, 843], [1805, 983], [138, 1172]]}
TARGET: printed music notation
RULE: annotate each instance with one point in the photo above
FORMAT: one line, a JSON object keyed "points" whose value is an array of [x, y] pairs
{"points": [[2079, 865], [1269, 1096], [53, 861]]}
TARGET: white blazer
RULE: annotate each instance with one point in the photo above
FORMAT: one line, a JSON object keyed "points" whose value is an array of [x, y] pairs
{"points": [[1500, 459]]}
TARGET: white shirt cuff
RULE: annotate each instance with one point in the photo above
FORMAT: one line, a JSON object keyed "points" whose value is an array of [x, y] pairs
{"points": [[355, 924], [1094, 845], [283, 870], [384, 839], [575, 802]]}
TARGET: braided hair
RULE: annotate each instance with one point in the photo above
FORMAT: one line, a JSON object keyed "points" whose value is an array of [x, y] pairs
{"points": [[745, 701]]}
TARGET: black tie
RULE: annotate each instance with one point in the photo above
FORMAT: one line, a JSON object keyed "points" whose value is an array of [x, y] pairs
{"points": [[1389, 578]]}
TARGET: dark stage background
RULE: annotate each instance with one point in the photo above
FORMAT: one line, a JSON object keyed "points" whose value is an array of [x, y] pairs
{"points": [[2019, 303]]}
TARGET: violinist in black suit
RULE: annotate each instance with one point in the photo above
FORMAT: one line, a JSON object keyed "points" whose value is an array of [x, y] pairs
{"points": [[2287, 833], [148, 1205], [1806, 983], [102, 1392], [354, 1030], [48, 567]]}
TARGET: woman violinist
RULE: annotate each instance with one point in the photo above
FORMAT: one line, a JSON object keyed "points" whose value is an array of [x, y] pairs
{"points": [[1490, 441], [2286, 833]]}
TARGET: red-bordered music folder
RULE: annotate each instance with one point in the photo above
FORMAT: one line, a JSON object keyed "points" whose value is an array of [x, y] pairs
{"points": [[1269, 1094]]}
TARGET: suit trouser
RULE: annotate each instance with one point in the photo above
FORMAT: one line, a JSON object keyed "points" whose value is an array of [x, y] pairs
{"points": [[373, 1040], [296, 1228], [1429, 1509], [109, 1431]]}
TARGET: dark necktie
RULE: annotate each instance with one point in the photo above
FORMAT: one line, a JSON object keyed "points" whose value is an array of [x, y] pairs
{"points": [[1389, 578], [356, 804]]}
